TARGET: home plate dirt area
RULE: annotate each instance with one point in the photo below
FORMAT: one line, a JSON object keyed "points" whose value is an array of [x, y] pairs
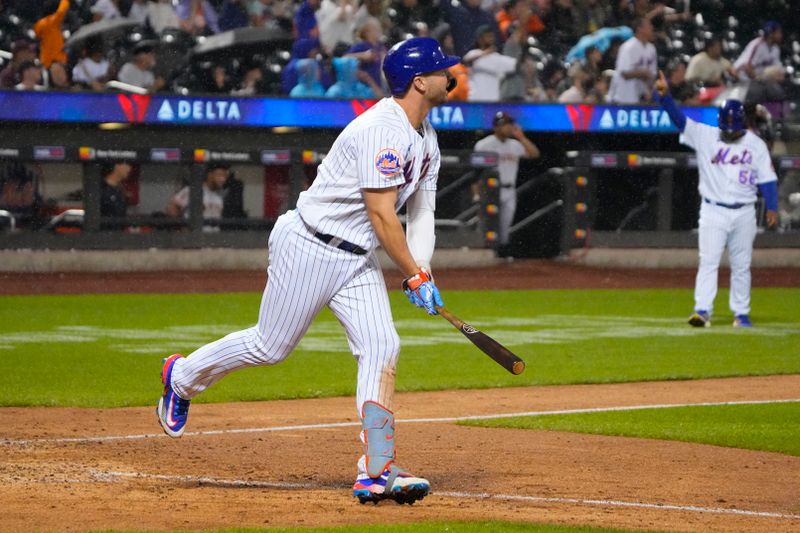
{"points": [[292, 463]]}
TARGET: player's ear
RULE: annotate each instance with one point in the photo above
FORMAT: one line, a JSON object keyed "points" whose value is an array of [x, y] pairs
{"points": [[419, 84]]}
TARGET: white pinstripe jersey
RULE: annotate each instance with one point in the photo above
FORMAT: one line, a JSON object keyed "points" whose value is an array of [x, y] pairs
{"points": [[729, 172], [377, 150]]}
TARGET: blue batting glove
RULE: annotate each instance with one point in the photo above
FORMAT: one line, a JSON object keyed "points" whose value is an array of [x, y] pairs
{"points": [[422, 292]]}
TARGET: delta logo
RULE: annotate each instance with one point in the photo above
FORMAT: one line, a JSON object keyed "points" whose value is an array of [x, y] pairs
{"points": [[86, 153], [387, 162], [580, 116], [134, 106]]}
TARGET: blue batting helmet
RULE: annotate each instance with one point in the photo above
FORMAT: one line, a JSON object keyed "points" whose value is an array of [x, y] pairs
{"points": [[731, 116], [412, 58]]}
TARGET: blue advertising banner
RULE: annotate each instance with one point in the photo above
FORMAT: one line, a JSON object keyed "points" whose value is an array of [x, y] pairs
{"points": [[271, 112]]}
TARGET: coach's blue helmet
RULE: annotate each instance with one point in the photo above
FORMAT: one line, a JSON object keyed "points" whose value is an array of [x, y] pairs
{"points": [[411, 58], [731, 116]]}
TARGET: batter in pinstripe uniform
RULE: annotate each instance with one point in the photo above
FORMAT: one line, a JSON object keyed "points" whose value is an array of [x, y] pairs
{"points": [[734, 165], [322, 254]]}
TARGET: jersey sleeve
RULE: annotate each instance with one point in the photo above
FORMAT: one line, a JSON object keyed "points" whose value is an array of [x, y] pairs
{"points": [[694, 134], [765, 169], [519, 149], [380, 157]]}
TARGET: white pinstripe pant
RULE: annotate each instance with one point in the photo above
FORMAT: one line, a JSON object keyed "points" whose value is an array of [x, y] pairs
{"points": [[304, 275], [720, 227]]}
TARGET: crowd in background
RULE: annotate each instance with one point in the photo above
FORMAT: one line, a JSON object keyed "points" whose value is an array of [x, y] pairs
{"points": [[567, 51]]}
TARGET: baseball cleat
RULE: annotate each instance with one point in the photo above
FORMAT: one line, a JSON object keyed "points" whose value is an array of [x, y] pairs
{"points": [[404, 488], [742, 321], [172, 410], [700, 319]]}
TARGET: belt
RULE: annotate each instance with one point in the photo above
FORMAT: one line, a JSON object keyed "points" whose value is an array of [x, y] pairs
{"points": [[722, 204], [507, 185], [340, 243]]}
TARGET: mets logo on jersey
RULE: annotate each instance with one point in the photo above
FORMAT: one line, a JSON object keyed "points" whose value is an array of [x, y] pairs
{"points": [[387, 162]]}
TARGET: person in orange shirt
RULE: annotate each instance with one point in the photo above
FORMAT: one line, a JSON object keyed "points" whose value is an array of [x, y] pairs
{"points": [[459, 71], [48, 30], [514, 11]]}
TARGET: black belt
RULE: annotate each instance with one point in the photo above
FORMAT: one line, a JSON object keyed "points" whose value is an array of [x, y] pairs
{"points": [[507, 185], [722, 204], [340, 243]]}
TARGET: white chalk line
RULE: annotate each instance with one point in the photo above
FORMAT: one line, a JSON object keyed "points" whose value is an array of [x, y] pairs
{"points": [[241, 483], [300, 427]]}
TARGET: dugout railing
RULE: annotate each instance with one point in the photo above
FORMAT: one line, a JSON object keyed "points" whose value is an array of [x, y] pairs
{"points": [[79, 225], [662, 211]]}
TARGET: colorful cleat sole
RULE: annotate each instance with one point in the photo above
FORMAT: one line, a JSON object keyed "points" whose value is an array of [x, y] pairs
{"points": [[402, 495]]}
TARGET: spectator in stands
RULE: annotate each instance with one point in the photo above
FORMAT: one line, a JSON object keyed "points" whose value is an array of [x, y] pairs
{"points": [[57, 77], [251, 81], [636, 66], [459, 71], [106, 10], [48, 31], [591, 15], [138, 11], [553, 79], [369, 50], [305, 20], [465, 19], [22, 50], [139, 71], [609, 60], [591, 62], [30, 76], [161, 14], [92, 71], [218, 81], [113, 200], [348, 84], [580, 90], [302, 49], [217, 175], [197, 17], [760, 63], [487, 67], [308, 84], [271, 14], [679, 88], [233, 14], [370, 9], [335, 18], [515, 12], [708, 66], [515, 85], [410, 18]]}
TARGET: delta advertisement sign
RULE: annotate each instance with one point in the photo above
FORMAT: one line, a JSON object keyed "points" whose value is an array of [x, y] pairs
{"points": [[176, 110]]}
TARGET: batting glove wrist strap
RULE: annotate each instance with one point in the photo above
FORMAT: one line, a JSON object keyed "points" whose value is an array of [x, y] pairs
{"points": [[422, 292]]}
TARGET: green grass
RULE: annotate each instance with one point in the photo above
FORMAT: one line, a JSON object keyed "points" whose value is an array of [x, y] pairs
{"points": [[769, 427], [105, 350], [436, 527]]}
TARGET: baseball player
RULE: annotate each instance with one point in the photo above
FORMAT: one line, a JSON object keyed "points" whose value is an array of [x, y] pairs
{"points": [[510, 143], [734, 164], [323, 253]]}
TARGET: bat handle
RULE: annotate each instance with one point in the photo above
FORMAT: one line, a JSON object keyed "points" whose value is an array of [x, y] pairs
{"points": [[450, 317]]}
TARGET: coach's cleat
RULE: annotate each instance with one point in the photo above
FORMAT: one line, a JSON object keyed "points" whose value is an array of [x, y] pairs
{"points": [[700, 319], [172, 410], [742, 321], [393, 484]]}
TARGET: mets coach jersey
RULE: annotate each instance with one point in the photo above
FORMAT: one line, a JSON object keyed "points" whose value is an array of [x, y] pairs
{"points": [[729, 172], [377, 150]]}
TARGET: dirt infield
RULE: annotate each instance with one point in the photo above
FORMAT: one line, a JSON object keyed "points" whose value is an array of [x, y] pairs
{"points": [[246, 475], [530, 274], [291, 463]]}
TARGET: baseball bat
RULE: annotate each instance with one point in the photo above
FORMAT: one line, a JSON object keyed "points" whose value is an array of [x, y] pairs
{"points": [[502, 355]]}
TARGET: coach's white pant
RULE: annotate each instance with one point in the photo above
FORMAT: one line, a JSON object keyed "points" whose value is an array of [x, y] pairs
{"points": [[306, 274], [508, 206], [736, 229]]}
